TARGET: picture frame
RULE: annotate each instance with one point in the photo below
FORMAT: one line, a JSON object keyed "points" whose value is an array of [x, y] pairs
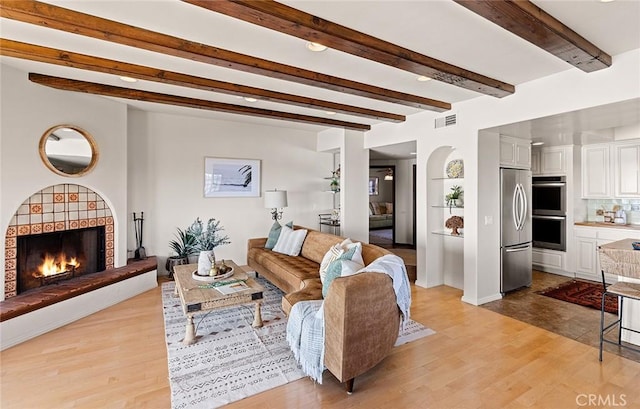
{"points": [[373, 186], [225, 177]]}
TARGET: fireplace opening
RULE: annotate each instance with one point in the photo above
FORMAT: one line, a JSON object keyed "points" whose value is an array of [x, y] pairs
{"points": [[45, 259]]}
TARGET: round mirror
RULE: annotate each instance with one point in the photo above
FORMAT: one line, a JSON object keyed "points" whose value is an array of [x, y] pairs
{"points": [[68, 150]]}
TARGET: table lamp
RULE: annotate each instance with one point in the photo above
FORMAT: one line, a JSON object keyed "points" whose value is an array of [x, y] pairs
{"points": [[274, 200]]}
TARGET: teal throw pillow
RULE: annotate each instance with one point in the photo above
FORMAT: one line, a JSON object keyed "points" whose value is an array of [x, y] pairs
{"points": [[274, 233], [344, 265]]}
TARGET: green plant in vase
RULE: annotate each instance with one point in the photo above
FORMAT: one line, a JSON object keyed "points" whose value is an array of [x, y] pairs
{"points": [[335, 184], [207, 238], [453, 199]]}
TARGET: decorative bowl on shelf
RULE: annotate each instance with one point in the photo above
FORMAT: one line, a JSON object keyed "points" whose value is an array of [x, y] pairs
{"points": [[455, 168], [636, 245]]}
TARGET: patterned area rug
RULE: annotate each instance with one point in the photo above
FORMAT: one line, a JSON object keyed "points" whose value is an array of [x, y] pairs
{"points": [[232, 360], [585, 293]]}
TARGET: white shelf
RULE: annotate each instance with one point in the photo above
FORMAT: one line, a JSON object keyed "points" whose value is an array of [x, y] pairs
{"points": [[447, 207], [447, 233]]}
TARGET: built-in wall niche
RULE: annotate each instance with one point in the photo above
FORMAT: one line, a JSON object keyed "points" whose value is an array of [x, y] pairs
{"points": [[445, 217]]}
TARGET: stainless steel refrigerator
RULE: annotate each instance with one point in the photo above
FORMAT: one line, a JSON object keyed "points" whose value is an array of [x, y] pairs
{"points": [[515, 224]]}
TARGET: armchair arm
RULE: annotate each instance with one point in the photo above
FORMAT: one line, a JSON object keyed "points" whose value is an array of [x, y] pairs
{"points": [[362, 321]]}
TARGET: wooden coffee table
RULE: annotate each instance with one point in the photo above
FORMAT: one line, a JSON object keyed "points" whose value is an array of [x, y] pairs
{"points": [[195, 299]]}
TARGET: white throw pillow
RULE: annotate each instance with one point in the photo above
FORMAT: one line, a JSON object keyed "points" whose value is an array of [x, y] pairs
{"points": [[290, 241], [336, 251]]}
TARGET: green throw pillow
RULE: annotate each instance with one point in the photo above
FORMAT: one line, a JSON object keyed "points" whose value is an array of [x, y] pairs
{"points": [[274, 233]]}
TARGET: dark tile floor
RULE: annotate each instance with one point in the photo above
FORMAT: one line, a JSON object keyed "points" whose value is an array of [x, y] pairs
{"points": [[570, 320]]}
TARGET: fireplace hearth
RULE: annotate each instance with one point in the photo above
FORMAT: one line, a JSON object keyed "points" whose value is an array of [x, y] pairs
{"points": [[46, 259]]}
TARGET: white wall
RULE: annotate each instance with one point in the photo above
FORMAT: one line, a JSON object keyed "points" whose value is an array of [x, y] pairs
{"points": [[567, 91], [28, 110], [166, 165]]}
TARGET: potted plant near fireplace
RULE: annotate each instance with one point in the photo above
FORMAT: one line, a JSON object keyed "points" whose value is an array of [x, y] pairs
{"points": [[183, 246]]}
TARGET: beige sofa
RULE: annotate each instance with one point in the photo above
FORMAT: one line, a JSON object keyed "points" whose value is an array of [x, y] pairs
{"points": [[361, 314], [380, 215]]}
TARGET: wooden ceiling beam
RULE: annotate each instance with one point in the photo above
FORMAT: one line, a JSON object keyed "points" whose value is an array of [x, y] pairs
{"points": [[533, 24], [155, 97], [285, 19], [16, 49], [51, 16]]}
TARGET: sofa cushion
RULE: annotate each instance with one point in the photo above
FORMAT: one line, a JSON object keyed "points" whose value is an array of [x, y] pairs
{"points": [[312, 290], [274, 233], [336, 251], [348, 262], [291, 271], [317, 244], [339, 268], [290, 241]]}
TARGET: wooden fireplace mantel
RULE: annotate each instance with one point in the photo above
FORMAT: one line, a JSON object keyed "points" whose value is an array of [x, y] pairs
{"points": [[51, 294]]}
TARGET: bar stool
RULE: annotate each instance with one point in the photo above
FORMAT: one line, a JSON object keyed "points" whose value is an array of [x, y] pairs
{"points": [[621, 259]]}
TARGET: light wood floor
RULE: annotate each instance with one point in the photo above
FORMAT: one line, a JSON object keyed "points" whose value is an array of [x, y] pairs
{"points": [[477, 359]]}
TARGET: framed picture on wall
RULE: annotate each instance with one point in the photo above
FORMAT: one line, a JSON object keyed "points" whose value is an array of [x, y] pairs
{"points": [[231, 177], [373, 186]]}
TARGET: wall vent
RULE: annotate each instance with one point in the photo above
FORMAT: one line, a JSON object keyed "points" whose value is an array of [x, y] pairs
{"points": [[448, 120]]}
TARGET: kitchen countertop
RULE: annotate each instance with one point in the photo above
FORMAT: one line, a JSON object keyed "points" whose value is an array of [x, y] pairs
{"points": [[609, 225]]}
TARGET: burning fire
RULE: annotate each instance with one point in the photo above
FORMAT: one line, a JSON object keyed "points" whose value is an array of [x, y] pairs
{"points": [[57, 265]]}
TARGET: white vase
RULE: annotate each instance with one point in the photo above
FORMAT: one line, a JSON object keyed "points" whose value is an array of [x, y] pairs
{"points": [[205, 261]]}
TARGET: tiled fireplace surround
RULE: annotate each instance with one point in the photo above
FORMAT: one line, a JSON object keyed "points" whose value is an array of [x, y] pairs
{"points": [[56, 208]]}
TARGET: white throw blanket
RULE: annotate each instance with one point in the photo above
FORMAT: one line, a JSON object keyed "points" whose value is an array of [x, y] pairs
{"points": [[305, 328], [305, 335], [394, 266]]}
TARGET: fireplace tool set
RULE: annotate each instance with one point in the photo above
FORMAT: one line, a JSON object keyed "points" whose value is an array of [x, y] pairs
{"points": [[140, 253]]}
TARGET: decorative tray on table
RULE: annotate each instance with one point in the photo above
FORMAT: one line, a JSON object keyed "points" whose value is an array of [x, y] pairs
{"points": [[211, 279]]}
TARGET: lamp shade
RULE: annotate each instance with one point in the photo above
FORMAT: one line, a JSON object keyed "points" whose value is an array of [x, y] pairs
{"points": [[275, 199]]}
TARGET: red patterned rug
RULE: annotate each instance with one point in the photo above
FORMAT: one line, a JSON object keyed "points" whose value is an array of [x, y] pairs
{"points": [[586, 293]]}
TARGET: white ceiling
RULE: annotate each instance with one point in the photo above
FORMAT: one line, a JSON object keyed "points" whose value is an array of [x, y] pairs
{"points": [[438, 28]]}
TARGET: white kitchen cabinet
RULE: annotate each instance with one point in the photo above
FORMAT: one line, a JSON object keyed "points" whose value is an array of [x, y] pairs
{"points": [[587, 240], [552, 261], [596, 176], [586, 257], [535, 161], [627, 169], [553, 161], [515, 152]]}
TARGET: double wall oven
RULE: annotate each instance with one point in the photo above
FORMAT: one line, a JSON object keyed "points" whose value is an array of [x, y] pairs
{"points": [[549, 218]]}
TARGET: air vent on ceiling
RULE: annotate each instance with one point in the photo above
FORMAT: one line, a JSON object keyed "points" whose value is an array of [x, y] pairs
{"points": [[448, 120]]}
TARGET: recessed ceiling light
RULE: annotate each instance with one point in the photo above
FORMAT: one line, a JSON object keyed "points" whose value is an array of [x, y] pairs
{"points": [[607, 1], [413, 153], [329, 112], [128, 79], [317, 47], [250, 99], [423, 78], [537, 143]]}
